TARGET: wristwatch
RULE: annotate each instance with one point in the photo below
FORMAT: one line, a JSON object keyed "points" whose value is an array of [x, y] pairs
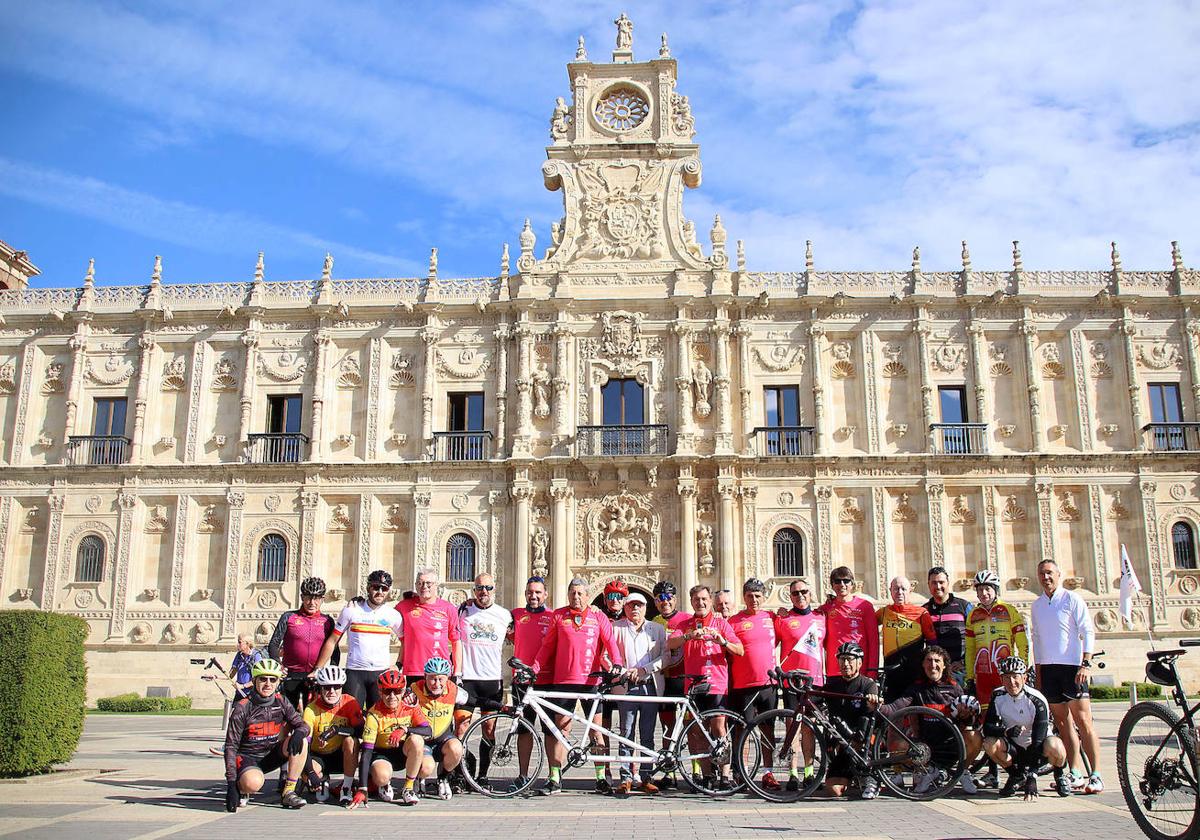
{"points": [[1087, 663]]}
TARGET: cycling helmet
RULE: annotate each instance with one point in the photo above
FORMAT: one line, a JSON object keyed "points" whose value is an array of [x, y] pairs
{"points": [[850, 649], [754, 585], [988, 578], [966, 706], [618, 586], [381, 577], [312, 586], [438, 665], [664, 588], [1013, 665], [330, 675], [391, 678], [266, 668]]}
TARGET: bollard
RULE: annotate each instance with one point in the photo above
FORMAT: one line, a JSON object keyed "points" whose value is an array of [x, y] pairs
{"points": [[1132, 694]]}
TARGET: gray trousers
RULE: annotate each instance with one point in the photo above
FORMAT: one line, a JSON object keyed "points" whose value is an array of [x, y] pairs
{"points": [[639, 717]]}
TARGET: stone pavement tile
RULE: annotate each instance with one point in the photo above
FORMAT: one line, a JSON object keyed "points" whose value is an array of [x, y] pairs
{"points": [[28, 810], [92, 830]]}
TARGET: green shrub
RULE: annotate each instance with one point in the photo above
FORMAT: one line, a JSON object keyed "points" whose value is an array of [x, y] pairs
{"points": [[175, 704], [45, 684], [1121, 692], [131, 702]]}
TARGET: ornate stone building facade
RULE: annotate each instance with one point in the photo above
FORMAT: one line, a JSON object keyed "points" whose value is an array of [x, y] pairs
{"points": [[622, 402]]}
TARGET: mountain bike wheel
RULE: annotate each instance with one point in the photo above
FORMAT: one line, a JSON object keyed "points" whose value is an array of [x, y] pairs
{"points": [[794, 746], [920, 753], [705, 760], [1157, 766], [493, 769]]}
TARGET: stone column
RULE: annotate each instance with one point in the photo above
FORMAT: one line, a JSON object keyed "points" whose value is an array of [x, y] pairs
{"points": [[935, 493], [497, 500], [870, 380], [816, 349], [501, 334], [726, 490], [979, 373], [56, 502], [127, 505], [561, 385], [366, 537], [687, 535], [720, 333], [1100, 553], [1033, 380], [233, 544], [250, 340], [1128, 331], [819, 578], [1083, 401], [1191, 334], [881, 539], [521, 493], [145, 364], [16, 453], [928, 417], [195, 392], [179, 547], [523, 439], [78, 345], [751, 566], [422, 499], [309, 499], [1156, 585], [1045, 509], [560, 573], [685, 430], [322, 340], [6, 507], [991, 530], [429, 335], [742, 331], [374, 385]]}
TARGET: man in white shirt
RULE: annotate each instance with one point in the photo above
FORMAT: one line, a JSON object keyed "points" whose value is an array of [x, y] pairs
{"points": [[1063, 641], [643, 644], [483, 627]]}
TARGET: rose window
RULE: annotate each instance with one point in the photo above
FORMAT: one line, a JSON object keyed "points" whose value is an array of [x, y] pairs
{"points": [[621, 109]]}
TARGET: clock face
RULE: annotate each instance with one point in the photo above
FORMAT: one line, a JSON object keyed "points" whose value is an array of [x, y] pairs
{"points": [[622, 108]]}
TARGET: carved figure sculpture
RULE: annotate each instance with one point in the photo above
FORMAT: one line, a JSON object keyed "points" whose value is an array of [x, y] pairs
{"points": [[541, 544], [541, 392], [702, 385], [624, 32], [560, 121], [705, 540]]}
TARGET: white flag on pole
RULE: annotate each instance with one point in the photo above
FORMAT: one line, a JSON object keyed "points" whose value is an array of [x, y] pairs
{"points": [[1130, 586]]}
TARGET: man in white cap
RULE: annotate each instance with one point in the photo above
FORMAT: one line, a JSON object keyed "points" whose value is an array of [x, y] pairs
{"points": [[643, 644]]}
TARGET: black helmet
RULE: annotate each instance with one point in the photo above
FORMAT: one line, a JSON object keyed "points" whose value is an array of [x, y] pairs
{"points": [[381, 577], [313, 586], [850, 649], [665, 588]]}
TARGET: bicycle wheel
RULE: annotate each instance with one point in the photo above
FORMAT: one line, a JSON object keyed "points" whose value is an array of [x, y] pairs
{"points": [[705, 760], [920, 753], [1156, 763], [793, 746], [493, 768]]}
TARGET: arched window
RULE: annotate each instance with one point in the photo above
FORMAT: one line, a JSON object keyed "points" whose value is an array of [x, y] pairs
{"points": [[787, 547], [89, 560], [460, 558], [1183, 542], [272, 558]]}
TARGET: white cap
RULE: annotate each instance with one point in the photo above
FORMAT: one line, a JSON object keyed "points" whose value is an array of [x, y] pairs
{"points": [[636, 598]]}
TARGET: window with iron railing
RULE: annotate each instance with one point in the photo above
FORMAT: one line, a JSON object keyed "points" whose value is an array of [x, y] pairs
{"points": [[787, 546], [1183, 545], [89, 560], [460, 558], [272, 558]]}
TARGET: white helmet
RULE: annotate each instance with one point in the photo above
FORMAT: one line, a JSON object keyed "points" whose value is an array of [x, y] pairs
{"points": [[966, 706], [988, 578], [330, 675]]}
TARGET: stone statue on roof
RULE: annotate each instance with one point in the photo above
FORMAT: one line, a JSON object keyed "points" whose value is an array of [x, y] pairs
{"points": [[624, 32]]}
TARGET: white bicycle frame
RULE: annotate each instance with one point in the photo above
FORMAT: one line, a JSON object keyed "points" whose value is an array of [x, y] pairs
{"points": [[538, 701]]}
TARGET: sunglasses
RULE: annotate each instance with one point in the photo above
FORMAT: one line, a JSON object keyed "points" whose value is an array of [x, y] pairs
{"points": [[268, 679], [844, 580], [484, 588], [614, 596], [796, 592], [391, 691], [326, 688], [664, 597], [378, 587]]}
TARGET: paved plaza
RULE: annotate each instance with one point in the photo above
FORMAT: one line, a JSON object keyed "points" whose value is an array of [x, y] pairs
{"points": [[160, 781]]}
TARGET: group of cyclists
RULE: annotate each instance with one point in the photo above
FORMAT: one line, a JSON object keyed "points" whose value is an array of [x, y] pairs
{"points": [[382, 720]]}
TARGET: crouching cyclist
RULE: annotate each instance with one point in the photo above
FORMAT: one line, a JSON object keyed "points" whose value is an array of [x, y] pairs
{"points": [[394, 734], [336, 722], [437, 696], [1016, 733], [265, 733]]}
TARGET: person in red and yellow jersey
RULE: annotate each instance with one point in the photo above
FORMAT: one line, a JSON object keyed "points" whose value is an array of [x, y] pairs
{"points": [[905, 629], [335, 720], [394, 732]]}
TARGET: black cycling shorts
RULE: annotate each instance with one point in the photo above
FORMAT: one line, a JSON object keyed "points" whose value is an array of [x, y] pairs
{"points": [[363, 686], [1057, 682], [266, 763], [528, 713], [295, 689], [331, 762], [752, 701], [487, 695], [710, 702], [582, 705]]}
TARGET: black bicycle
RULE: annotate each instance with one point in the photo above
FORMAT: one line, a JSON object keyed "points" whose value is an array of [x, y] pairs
{"points": [[1156, 755], [916, 753]]}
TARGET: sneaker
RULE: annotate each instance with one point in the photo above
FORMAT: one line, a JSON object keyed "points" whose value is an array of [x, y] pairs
{"points": [[443, 790], [924, 782], [603, 786], [553, 788], [1010, 787], [1094, 784], [243, 800], [968, 783], [1062, 785], [793, 784], [770, 782], [624, 789], [667, 783], [408, 796], [386, 793], [990, 780], [870, 787], [345, 795], [517, 784], [1078, 781], [724, 785], [292, 800], [1030, 787], [648, 787]]}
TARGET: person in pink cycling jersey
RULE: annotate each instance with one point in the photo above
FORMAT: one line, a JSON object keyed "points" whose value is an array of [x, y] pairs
{"points": [[580, 641], [802, 647], [430, 630], [750, 688], [849, 618], [529, 627]]}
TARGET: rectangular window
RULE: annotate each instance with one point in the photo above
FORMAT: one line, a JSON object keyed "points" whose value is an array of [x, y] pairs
{"points": [[1166, 407], [953, 400], [283, 416], [110, 416], [466, 412], [624, 403], [782, 405]]}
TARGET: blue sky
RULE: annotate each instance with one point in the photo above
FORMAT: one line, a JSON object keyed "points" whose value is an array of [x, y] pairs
{"points": [[206, 132]]}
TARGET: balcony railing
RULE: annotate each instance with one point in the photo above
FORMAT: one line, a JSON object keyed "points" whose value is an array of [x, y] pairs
{"points": [[97, 449], [462, 446], [277, 448], [1172, 437], [621, 440], [784, 441], [959, 438]]}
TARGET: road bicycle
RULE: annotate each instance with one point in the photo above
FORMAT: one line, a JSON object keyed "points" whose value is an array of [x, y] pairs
{"points": [[916, 753], [704, 760], [1156, 755]]}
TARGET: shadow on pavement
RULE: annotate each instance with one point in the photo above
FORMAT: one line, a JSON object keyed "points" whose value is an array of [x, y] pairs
{"points": [[193, 794]]}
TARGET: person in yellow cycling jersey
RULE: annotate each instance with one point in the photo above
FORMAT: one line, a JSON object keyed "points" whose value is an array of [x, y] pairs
{"points": [[394, 733], [436, 696], [335, 721]]}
